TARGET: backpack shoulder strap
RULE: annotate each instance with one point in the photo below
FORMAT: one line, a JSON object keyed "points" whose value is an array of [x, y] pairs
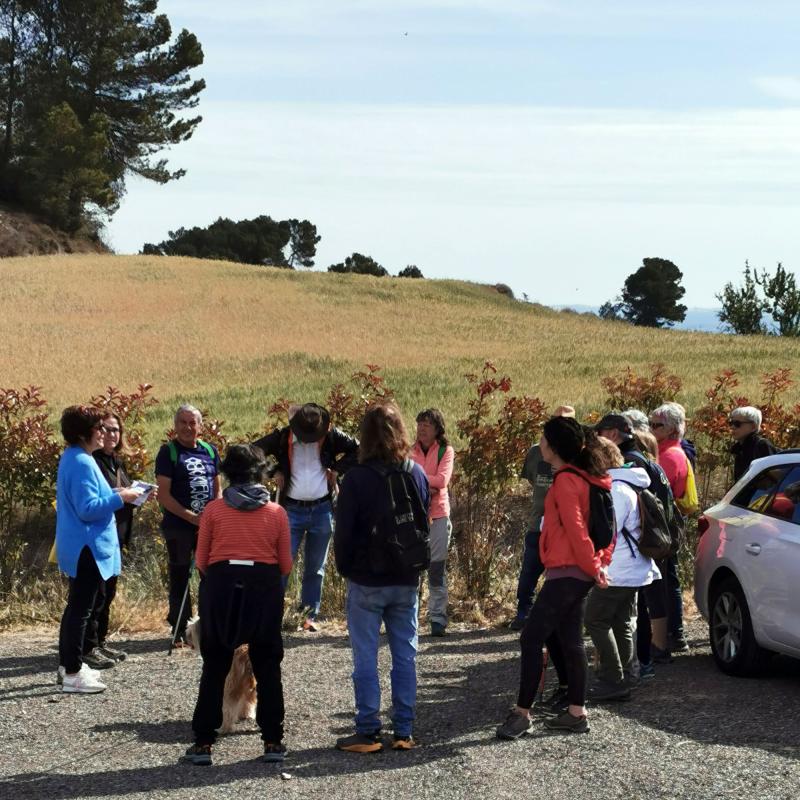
{"points": [[173, 452], [207, 447], [442, 451]]}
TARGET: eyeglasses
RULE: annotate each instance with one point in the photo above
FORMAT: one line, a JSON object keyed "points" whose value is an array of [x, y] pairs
{"points": [[655, 425], [736, 423], [110, 430]]}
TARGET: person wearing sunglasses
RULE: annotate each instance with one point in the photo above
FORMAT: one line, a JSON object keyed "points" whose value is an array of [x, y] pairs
{"points": [[748, 445]]}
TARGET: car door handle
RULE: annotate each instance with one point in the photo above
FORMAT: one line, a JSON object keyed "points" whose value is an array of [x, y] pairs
{"points": [[753, 549]]}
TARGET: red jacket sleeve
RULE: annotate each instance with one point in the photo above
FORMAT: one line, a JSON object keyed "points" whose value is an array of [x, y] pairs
{"points": [[204, 533], [571, 496], [284, 543]]}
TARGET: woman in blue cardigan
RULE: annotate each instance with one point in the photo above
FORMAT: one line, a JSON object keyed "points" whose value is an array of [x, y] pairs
{"points": [[87, 546]]}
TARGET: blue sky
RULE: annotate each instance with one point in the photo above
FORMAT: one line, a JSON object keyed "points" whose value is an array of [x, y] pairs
{"points": [[548, 145]]}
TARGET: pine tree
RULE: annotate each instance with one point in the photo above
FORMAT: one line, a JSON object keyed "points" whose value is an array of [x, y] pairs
{"points": [[115, 65], [651, 294], [742, 309]]}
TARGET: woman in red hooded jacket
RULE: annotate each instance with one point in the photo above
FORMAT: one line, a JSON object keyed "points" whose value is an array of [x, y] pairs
{"points": [[572, 567]]}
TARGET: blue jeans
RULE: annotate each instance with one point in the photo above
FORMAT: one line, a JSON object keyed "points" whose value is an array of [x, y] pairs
{"points": [[529, 574], [397, 606], [316, 524]]}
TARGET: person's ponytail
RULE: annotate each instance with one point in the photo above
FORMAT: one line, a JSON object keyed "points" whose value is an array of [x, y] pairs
{"points": [[590, 458]]}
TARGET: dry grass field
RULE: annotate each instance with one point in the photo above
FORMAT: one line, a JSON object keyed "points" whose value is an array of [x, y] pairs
{"points": [[233, 338]]}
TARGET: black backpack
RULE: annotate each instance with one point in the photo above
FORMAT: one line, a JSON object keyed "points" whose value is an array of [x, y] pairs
{"points": [[602, 523], [655, 539], [660, 487], [399, 540]]}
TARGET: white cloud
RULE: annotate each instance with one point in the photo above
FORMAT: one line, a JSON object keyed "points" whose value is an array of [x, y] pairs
{"points": [[781, 87]]}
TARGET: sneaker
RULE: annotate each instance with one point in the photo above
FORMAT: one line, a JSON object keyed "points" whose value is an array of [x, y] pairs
{"points": [[61, 672], [516, 725], [516, 624], [677, 644], [310, 625], [604, 691], [646, 672], [660, 656], [403, 743], [96, 660], [556, 702], [273, 753], [361, 743], [567, 723], [199, 755], [437, 629], [113, 654], [83, 682]]}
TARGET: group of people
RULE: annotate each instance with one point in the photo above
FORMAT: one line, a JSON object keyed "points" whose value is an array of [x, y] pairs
{"points": [[332, 486]]}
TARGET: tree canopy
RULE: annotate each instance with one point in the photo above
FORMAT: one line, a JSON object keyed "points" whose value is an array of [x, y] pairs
{"points": [[90, 92], [650, 296], [742, 308], [359, 265], [262, 241], [411, 271]]}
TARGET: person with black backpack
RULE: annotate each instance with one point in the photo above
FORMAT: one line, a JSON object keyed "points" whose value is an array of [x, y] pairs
{"points": [[576, 544], [642, 532], [382, 546]]}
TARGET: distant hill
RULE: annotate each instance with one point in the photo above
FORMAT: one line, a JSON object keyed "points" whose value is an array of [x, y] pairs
{"points": [[21, 234], [233, 338], [697, 319]]}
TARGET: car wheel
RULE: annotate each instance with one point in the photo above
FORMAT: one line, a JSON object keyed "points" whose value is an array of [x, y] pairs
{"points": [[730, 630]]}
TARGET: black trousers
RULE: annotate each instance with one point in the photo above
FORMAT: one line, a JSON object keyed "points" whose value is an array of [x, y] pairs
{"points": [[180, 548], [97, 627], [240, 605], [83, 591], [557, 611]]}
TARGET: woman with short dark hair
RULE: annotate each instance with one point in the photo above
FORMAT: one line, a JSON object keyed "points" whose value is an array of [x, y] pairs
{"points": [[243, 550], [434, 454], [97, 653], [87, 546], [572, 567]]}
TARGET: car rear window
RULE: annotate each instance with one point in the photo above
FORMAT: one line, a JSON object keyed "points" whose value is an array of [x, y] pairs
{"points": [[775, 491]]}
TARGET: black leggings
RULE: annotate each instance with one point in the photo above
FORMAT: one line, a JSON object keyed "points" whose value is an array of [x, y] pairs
{"points": [[97, 627], [557, 617], [83, 591]]}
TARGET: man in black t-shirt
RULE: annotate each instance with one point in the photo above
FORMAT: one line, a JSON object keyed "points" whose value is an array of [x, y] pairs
{"points": [[187, 473]]}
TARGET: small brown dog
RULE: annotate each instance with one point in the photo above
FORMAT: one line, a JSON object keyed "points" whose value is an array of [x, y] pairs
{"points": [[239, 699]]}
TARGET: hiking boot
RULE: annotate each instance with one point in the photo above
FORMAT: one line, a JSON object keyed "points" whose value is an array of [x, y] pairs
{"points": [[631, 680], [83, 682], [438, 630], [199, 755], [604, 691], [555, 702], [660, 656], [646, 672], [310, 625], [516, 725], [112, 653], [273, 753], [567, 723], [677, 644], [96, 660], [361, 743], [403, 743]]}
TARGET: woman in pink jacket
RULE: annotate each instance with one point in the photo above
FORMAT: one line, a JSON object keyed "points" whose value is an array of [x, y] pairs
{"points": [[432, 452]]}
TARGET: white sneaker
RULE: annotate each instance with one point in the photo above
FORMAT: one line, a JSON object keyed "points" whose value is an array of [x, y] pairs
{"points": [[83, 682], [62, 672]]}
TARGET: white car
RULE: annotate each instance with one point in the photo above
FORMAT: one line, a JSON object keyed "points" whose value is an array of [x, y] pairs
{"points": [[747, 566]]}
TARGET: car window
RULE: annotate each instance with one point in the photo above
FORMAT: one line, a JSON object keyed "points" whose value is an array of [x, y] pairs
{"points": [[758, 493], [785, 502]]}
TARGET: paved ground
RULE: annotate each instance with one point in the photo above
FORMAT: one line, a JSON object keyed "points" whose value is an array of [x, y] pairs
{"points": [[692, 733]]}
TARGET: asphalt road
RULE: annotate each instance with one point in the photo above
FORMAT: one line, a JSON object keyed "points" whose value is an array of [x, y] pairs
{"points": [[691, 733]]}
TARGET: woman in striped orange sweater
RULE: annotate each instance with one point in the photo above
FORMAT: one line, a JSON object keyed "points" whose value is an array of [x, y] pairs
{"points": [[243, 549]]}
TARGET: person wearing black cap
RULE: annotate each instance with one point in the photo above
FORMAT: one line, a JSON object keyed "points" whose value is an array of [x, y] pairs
{"points": [[310, 454]]}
